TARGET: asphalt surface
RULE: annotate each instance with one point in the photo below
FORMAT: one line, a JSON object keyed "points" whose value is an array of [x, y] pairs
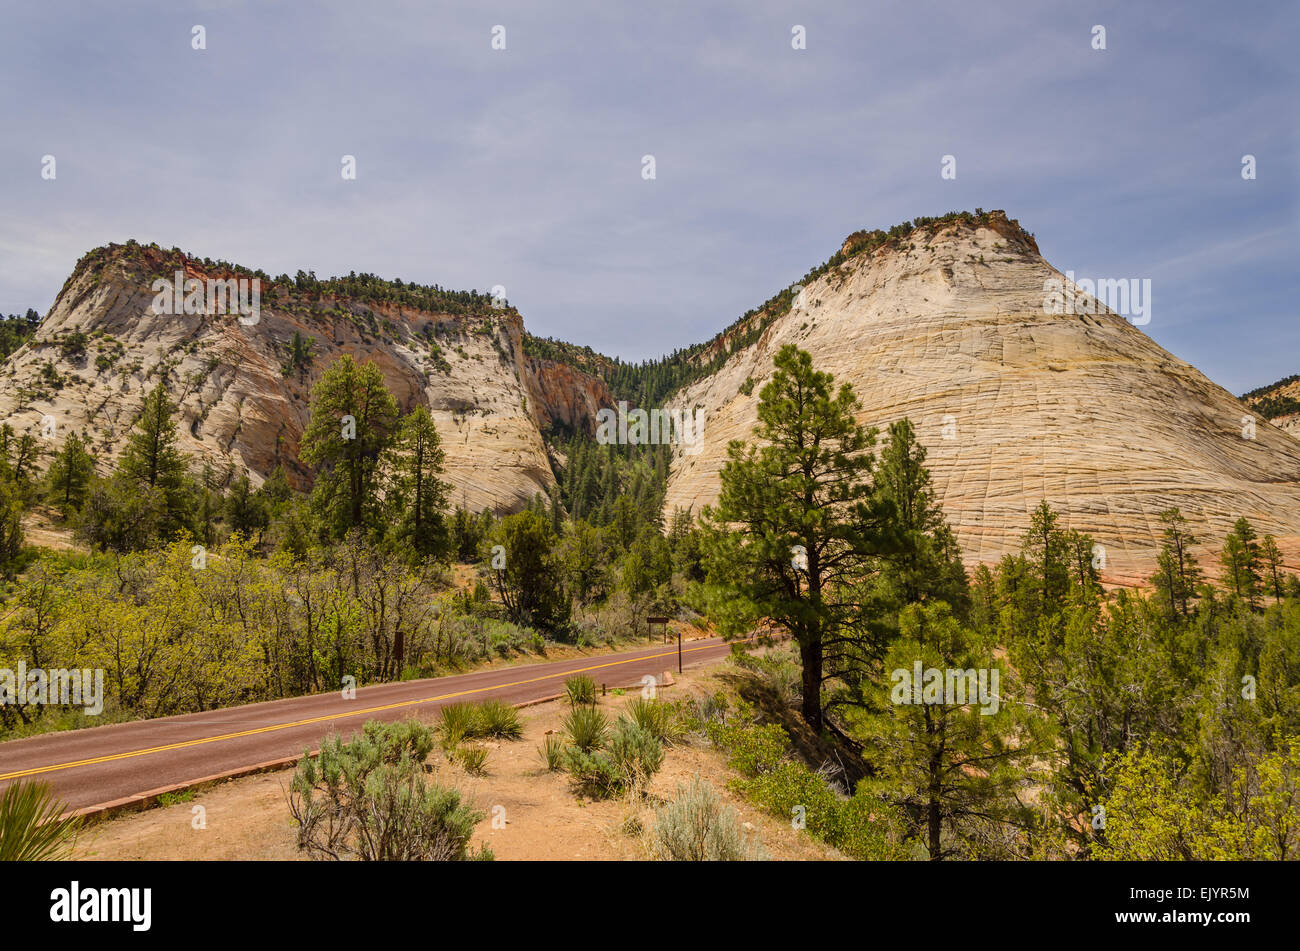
{"points": [[101, 766]]}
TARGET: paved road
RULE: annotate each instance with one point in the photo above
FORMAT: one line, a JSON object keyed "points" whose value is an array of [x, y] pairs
{"points": [[95, 767]]}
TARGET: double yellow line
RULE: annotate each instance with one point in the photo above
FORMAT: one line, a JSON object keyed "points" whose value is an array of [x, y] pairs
{"points": [[334, 716]]}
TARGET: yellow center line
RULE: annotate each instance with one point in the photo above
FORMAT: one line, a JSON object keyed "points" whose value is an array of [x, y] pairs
{"points": [[333, 716]]}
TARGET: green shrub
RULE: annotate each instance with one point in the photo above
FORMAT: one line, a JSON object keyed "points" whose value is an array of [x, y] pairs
{"points": [[694, 714], [865, 826], [790, 785], [656, 717], [872, 829], [32, 826], [780, 669], [636, 753], [592, 773], [695, 827], [753, 749], [587, 728], [581, 691], [499, 720], [368, 799]]}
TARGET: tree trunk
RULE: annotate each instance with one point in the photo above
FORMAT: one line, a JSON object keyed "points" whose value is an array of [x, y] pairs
{"points": [[934, 817], [810, 654]]}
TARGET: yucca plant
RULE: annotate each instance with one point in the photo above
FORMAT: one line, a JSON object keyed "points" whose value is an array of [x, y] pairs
{"points": [[581, 691], [587, 728], [499, 720], [552, 752], [32, 825], [459, 721], [473, 759], [656, 718]]}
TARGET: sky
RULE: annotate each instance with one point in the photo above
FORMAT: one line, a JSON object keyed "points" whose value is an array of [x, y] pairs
{"points": [[523, 167]]}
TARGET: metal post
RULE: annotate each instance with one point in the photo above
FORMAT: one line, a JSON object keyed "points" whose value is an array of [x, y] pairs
{"points": [[679, 651]]}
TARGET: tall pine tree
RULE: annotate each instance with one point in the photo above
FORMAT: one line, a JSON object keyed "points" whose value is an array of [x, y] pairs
{"points": [[796, 528], [353, 418]]}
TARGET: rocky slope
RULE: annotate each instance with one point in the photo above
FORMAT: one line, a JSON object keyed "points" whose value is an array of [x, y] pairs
{"points": [[944, 324], [948, 326], [1278, 403], [244, 400]]}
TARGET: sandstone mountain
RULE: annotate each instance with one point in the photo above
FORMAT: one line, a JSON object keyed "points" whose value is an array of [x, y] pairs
{"points": [[942, 321], [244, 398], [1279, 403], [947, 325]]}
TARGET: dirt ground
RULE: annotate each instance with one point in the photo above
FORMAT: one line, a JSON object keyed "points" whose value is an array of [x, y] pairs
{"points": [[43, 528], [249, 818]]}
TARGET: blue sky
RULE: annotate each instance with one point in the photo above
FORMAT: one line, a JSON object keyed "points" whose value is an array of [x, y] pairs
{"points": [[522, 167]]}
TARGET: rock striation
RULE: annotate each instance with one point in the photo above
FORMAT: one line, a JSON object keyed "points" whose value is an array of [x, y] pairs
{"points": [[244, 400], [1015, 404]]}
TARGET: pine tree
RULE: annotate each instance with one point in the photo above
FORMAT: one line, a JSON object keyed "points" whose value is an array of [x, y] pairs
{"points": [[807, 484], [27, 451], [276, 488], [246, 510], [924, 562], [151, 457], [416, 498], [353, 418], [1270, 558], [11, 528], [1047, 554], [1240, 560], [1177, 572], [953, 752], [210, 505], [152, 461], [70, 474]]}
